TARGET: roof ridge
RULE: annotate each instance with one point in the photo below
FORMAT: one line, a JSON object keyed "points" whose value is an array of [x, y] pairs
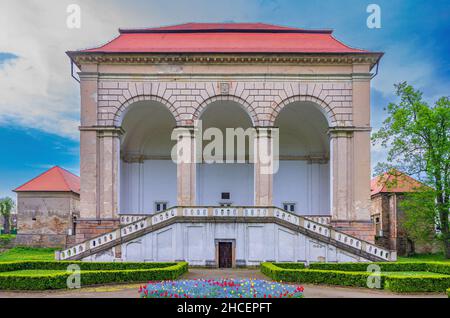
{"points": [[60, 171], [216, 27]]}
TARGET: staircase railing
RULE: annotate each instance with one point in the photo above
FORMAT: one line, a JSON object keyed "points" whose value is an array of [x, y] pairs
{"points": [[130, 225]]}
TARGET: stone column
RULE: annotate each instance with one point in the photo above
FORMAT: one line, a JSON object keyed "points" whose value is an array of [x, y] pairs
{"points": [[108, 172], [265, 155], [350, 182], [185, 156], [88, 141], [341, 164]]}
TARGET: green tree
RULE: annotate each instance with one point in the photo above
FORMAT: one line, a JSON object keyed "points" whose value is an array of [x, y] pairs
{"points": [[6, 206], [417, 136]]}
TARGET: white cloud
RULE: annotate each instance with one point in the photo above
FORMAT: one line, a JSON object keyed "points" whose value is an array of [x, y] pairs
{"points": [[36, 88]]}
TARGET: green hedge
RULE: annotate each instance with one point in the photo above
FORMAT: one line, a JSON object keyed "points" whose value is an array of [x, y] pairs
{"points": [[91, 274], [402, 284], [355, 275], [291, 265], [56, 265], [316, 276], [448, 292], [434, 267]]}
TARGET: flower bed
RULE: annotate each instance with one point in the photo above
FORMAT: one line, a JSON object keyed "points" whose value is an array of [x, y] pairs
{"points": [[54, 275], [227, 288]]}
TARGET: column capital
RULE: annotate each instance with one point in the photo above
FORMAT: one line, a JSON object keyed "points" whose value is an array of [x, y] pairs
{"points": [[266, 131], [104, 131], [346, 132]]}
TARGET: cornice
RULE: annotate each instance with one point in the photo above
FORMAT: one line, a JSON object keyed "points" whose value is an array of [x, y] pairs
{"points": [[247, 58]]}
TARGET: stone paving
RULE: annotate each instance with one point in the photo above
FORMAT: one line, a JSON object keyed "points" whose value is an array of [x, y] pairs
{"points": [[131, 290]]}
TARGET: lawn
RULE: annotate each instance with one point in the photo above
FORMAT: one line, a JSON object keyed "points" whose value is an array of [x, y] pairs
{"points": [[28, 254], [439, 257]]}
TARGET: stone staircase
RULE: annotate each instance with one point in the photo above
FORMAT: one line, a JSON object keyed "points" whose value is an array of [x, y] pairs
{"points": [[134, 226]]}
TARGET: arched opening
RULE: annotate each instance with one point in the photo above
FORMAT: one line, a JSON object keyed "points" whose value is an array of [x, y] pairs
{"points": [[148, 176], [227, 129], [302, 183]]}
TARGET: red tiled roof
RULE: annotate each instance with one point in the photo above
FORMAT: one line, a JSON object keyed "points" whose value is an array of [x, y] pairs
{"points": [[224, 38], [393, 182], [55, 179]]}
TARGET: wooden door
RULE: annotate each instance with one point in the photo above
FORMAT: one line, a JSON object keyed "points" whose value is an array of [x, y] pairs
{"points": [[225, 255]]}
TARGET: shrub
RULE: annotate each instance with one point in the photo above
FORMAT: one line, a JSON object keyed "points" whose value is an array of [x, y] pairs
{"points": [[91, 273], [448, 292], [403, 284], [434, 267], [354, 274], [291, 265], [316, 276]]}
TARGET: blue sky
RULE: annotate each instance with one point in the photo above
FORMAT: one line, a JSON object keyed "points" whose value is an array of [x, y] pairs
{"points": [[39, 104]]}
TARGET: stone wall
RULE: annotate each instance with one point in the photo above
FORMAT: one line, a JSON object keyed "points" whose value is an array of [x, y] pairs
{"points": [[45, 219]]}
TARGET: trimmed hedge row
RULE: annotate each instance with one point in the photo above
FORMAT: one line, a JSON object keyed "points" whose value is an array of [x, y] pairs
{"points": [[92, 274], [403, 284], [355, 275], [62, 265], [434, 267], [316, 276]]}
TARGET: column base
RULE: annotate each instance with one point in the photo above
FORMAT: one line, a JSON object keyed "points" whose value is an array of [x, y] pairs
{"points": [[363, 230], [89, 228]]}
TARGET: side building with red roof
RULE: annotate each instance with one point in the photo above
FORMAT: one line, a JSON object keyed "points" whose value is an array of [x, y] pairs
{"points": [[387, 191], [47, 209]]}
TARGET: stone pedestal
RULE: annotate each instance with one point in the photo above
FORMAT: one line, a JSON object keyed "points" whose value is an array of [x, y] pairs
{"points": [[360, 229], [90, 228]]}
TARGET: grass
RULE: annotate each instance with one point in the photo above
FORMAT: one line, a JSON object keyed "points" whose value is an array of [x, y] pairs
{"points": [[28, 254], [439, 257]]}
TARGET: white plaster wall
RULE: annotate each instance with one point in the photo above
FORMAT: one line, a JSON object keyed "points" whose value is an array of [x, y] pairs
{"points": [[236, 178], [303, 183], [144, 183], [255, 243]]}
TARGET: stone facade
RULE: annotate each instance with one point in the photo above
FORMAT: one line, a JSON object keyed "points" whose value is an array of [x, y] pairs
{"points": [[340, 90], [389, 232], [46, 219]]}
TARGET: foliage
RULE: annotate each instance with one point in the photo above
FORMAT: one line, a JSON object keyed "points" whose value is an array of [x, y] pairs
{"points": [[6, 206], [315, 276], [418, 136], [448, 292], [419, 220], [402, 284], [6, 238], [28, 254], [226, 288], [433, 267], [53, 275]]}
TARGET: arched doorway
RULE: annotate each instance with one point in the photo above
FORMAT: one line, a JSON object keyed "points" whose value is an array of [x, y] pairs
{"points": [[302, 183], [230, 181], [148, 176]]}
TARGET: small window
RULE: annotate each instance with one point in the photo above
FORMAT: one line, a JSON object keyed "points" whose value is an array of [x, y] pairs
{"points": [[160, 206], [225, 204], [289, 207], [225, 195]]}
